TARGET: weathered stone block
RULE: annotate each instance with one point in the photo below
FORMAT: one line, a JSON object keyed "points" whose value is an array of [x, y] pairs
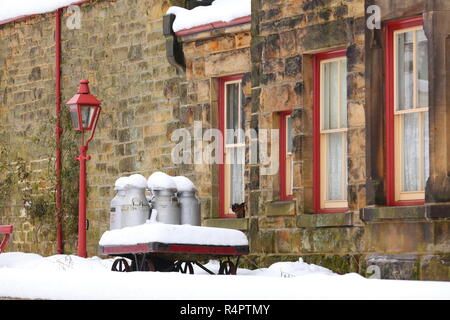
{"points": [[325, 220], [280, 208], [229, 223]]}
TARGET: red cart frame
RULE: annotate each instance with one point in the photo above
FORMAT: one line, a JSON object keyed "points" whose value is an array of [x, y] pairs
{"points": [[6, 231], [157, 256]]}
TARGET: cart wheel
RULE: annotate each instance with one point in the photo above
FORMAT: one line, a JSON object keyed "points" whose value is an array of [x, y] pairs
{"points": [[227, 267], [120, 265], [183, 267]]}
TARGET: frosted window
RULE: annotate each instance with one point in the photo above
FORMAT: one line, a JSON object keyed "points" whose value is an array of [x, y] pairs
{"points": [[411, 152], [422, 70], [405, 89]]}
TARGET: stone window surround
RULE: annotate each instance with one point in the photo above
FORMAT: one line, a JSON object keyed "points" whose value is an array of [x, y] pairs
{"points": [[392, 173], [317, 157]]}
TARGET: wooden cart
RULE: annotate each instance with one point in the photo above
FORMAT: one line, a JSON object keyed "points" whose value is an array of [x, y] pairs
{"points": [[171, 257]]}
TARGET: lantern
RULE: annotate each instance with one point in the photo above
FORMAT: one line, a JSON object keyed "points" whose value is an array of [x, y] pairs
{"points": [[84, 108]]}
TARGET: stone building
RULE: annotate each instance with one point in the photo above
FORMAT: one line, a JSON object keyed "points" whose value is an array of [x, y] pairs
{"points": [[359, 105]]}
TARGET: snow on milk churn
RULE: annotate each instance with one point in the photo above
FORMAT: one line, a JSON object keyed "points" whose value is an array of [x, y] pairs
{"points": [[115, 214], [136, 209]]}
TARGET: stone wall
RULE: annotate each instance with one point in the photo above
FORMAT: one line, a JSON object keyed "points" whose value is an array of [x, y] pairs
{"points": [[120, 48], [27, 100]]}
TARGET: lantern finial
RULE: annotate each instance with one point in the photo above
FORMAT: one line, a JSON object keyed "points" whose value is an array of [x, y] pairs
{"points": [[84, 88]]}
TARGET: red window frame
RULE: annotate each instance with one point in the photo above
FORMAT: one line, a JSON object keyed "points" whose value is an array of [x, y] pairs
{"points": [[316, 129], [222, 119], [391, 27], [283, 150]]}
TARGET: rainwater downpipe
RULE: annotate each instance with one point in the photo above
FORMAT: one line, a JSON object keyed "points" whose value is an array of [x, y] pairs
{"points": [[58, 131]]}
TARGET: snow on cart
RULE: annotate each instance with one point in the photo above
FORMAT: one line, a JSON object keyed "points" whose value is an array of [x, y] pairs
{"points": [[162, 232]]}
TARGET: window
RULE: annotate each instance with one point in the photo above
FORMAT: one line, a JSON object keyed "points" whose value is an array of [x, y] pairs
{"points": [[330, 132], [231, 124], [286, 156], [407, 112]]}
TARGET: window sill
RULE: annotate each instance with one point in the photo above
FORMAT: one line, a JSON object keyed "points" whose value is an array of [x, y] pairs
{"points": [[325, 220], [227, 223], [420, 212]]}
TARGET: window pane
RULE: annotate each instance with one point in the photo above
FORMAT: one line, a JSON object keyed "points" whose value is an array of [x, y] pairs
{"points": [[404, 58], [426, 149], [289, 137], [237, 175], [330, 95], [411, 152], [336, 167], [343, 75], [234, 113], [422, 70]]}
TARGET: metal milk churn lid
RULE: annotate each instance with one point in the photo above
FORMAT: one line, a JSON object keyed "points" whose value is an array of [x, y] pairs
{"points": [[115, 211], [190, 207], [136, 210], [166, 204]]}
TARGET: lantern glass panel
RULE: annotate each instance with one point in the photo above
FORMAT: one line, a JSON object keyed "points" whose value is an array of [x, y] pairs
{"points": [[74, 117], [87, 114]]}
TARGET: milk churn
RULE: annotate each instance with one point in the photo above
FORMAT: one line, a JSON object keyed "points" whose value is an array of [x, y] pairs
{"points": [[190, 207], [136, 209], [115, 213], [166, 204]]}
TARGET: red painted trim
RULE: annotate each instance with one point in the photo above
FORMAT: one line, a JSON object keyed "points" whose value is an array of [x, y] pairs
{"points": [[7, 231], [282, 156], [222, 143], [316, 128], [174, 248], [18, 18], [213, 25], [391, 27]]}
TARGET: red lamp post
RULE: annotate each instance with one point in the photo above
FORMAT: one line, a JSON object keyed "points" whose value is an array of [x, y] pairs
{"points": [[84, 110]]}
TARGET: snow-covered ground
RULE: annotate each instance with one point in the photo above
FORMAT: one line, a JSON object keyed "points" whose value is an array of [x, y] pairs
{"points": [[32, 276]]}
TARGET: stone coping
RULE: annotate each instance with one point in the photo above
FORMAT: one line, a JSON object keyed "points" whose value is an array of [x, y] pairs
{"points": [[213, 33]]}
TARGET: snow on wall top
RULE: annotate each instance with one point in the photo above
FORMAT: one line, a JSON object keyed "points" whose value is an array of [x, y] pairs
{"points": [[176, 234], [10, 9], [219, 10]]}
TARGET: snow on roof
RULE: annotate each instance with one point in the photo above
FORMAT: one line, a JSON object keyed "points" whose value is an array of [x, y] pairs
{"points": [[219, 10], [11, 9], [175, 234]]}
